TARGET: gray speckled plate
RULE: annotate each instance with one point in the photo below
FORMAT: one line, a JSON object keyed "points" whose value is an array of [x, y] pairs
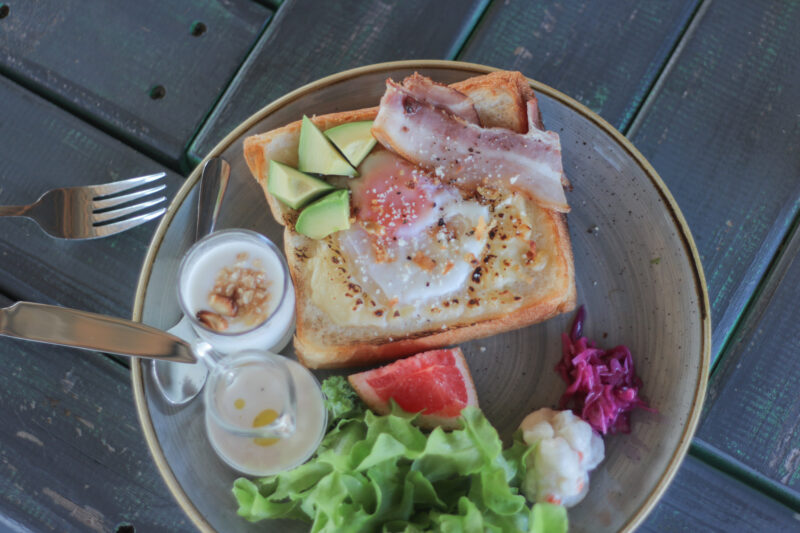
{"points": [[638, 274]]}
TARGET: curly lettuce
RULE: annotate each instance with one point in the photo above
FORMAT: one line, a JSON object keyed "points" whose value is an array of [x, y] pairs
{"points": [[382, 473], [341, 400]]}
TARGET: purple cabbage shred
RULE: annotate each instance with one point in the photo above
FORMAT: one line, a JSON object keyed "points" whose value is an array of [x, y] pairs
{"points": [[602, 385]]}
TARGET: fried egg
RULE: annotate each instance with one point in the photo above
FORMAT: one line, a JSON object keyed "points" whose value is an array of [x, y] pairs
{"points": [[414, 241]]}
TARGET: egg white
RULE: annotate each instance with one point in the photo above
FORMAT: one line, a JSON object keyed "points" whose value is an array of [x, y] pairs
{"points": [[446, 236]]}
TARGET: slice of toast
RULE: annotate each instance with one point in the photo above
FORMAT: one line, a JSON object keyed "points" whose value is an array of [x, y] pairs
{"points": [[515, 284]]}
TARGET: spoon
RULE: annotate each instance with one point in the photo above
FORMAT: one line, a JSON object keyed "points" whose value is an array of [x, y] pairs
{"points": [[178, 383]]}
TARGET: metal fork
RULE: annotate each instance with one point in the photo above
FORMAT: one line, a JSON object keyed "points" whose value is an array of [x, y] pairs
{"points": [[94, 210]]}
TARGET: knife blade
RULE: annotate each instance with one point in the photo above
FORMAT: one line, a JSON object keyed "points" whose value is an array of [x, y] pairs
{"points": [[80, 329]]}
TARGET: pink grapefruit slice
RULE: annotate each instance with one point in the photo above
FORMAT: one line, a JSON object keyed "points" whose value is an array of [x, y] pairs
{"points": [[436, 384]]}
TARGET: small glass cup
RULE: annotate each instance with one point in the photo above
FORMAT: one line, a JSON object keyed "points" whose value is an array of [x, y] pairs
{"points": [[264, 413], [198, 271]]}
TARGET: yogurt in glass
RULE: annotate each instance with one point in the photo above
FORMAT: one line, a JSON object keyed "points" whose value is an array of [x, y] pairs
{"points": [[235, 288]]}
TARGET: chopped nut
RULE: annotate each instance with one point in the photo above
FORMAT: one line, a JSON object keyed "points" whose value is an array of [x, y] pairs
{"points": [[222, 304], [241, 292], [212, 321]]}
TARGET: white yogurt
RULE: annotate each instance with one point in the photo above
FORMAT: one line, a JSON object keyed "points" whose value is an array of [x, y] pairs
{"points": [[245, 249], [252, 400]]}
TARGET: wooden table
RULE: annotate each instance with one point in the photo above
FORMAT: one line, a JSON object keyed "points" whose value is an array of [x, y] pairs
{"points": [[95, 90]]}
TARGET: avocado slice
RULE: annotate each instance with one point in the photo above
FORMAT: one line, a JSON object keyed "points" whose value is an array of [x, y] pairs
{"points": [[327, 215], [317, 154], [354, 139], [292, 187]]}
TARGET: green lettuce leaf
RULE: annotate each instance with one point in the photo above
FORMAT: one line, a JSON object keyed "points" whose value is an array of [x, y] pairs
{"points": [[341, 400], [549, 518]]}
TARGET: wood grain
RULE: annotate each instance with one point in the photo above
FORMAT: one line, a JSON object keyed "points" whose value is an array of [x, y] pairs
{"points": [[752, 413], [104, 60], [72, 456], [701, 498], [44, 147], [722, 130], [604, 54], [308, 40]]}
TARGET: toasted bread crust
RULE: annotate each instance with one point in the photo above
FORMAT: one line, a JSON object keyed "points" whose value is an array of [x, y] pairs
{"points": [[501, 99]]}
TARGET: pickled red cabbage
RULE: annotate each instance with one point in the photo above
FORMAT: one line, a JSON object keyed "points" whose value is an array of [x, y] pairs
{"points": [[602, 385]]}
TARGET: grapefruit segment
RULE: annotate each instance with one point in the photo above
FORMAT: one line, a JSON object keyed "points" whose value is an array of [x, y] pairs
{"points": [[436, 384]]}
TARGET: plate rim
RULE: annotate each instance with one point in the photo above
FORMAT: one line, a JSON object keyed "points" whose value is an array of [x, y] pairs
{"points": [[700, 287]]}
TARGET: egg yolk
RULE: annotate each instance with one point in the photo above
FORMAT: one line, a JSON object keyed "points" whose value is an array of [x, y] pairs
{"points": [[391, 193]]}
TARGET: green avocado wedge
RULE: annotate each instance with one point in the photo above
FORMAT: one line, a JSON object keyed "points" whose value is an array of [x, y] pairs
{"points": [[353, 139], [329, 214], [316, 154], [293, 187]]}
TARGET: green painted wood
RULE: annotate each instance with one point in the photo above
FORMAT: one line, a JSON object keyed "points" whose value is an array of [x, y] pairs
{"points": [[606, 55], [702, 498], [308, 40], [72, 456], [721, 129], [146, 71], [44, 147], [752, 415]]}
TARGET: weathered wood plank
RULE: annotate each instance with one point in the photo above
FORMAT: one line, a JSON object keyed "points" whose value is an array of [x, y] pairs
{"points": [[72, 456], [722, 131], [604, 54], [752, 414], [44, 147], [308, 40], [107, 60], [701, 498]]}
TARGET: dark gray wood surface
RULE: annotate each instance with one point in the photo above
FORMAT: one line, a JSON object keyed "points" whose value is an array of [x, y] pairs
{"points": [[721, 128], [72, 455], [702, 498], [606, 55], [148, 72], [752, 415], [309, 39], [44, 147]]}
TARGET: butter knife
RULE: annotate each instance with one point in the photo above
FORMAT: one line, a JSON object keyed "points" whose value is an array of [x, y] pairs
{"points": [[51, 324]]}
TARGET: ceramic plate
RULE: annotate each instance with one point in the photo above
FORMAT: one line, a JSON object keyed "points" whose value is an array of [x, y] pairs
{"points": [[638, 274]]}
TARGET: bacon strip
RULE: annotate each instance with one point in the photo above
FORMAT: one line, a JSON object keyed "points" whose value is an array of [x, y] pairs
{"points": [[468, 155], [426, 90]]}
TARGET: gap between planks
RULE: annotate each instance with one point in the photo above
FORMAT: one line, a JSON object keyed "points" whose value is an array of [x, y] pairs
{"points": [[726, 464], [477, 20], [187, 162], [64, 104], [655, 88]]}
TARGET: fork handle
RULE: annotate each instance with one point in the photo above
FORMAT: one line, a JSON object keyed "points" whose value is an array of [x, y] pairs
{"points": [[14, 210]]}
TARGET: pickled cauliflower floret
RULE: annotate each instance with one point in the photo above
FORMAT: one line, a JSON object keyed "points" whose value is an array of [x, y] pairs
{"points": [[565, 450]]}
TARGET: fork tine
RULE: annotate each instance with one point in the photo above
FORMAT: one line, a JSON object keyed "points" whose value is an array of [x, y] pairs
{"points": [[119, 200], [104, 189], [119, 213], [122, 225]]}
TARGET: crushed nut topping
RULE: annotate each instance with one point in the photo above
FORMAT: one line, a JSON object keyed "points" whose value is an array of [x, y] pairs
{"points": [[240, 293], [212, 321]]}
